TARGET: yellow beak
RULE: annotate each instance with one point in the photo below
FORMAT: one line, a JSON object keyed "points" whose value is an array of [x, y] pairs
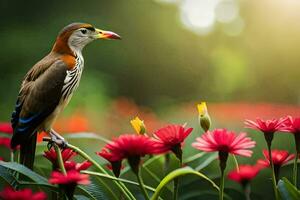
{"points": [[101, 34]]}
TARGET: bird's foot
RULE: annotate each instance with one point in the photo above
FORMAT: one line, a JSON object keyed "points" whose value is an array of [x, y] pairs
{"points": [[58, 139], [62, 143]]}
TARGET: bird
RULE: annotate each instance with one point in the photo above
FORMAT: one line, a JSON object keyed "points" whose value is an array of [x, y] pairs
{"points": [[48, 87]]}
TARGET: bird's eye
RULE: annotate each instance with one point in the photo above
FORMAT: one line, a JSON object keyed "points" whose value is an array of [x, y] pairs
{"points": [[83, 31]]}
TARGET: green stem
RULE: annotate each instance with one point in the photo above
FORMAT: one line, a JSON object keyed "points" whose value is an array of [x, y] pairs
{"points": [[176, 180], [247, 191], [11, 155], [178, 152], [141, 183], [121, 186], [223, 156], [59, 159], [221, 192], [273, 172], [236, 163], [295, 170]]}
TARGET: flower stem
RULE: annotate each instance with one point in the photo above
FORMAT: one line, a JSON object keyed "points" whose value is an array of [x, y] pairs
{"points": [[295, 170], [12, 156], [141, 183], [178, 152], [247, 191], [236, 163], [223, 156], [273, 173], [121, 186], [59, 159], [221, 192]]}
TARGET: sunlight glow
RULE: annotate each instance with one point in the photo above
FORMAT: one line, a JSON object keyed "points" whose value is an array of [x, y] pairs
{"points": [[199, 15]]}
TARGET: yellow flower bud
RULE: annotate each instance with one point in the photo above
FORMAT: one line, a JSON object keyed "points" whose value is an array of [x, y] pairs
{"points": [[138, 125], [202, 109], [204, 118]]}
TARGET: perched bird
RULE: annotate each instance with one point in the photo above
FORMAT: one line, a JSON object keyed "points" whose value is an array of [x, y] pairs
{"points": [[48, 87]]}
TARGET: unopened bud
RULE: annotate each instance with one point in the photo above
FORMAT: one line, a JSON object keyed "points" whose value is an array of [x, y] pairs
{"points": [[138, 125], [204, 118]]}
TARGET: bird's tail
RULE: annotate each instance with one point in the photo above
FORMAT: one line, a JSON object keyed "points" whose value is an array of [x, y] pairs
{"points": [[27, 152]]}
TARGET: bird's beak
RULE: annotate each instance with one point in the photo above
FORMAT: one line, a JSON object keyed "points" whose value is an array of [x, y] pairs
{"points": [[101, 34]]}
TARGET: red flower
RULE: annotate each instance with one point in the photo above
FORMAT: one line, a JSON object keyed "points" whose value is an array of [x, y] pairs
{"points": [[5, 127], [5, 142], [66, 155], [25, 194], [128, 145], [292, 125], [132, 147], [279, 158], [225, 141], [71, 165], [245, 174], [267, 126], [172, 137], [72, 177]]}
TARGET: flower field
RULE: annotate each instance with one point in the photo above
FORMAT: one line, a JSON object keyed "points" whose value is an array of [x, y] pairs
{"points": [[189, 157]]}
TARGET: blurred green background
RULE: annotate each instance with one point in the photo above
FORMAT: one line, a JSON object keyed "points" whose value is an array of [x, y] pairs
{"points": [[172, 50]]}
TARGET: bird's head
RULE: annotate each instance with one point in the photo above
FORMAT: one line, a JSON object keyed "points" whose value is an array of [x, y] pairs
{"points": [[76, 36]]}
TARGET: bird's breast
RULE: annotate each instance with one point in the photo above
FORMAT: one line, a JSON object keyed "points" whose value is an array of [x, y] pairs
{"points": [[72, 79]]}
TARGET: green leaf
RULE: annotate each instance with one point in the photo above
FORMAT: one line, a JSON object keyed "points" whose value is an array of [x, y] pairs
{"points": [[81, 197], [193, 157], [93, 191], [26, 172], [8, 177], [176, 173], [287, 190], [115, 178], [207, 161]]}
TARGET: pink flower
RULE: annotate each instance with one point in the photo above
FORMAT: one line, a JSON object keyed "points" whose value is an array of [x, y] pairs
{"points": [[172, 137], [279, 158], [245, 174], [5, 127], [222, 140], [66, 155], [25, 194], [292, 125], [72, 177], [267, 126], [132, 147], [71, 165]]}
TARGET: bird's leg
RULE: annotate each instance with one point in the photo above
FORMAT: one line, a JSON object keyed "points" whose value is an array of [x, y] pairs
{"points": [[58, 139]]}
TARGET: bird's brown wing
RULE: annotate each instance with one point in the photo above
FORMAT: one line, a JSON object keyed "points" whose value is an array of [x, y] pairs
{"points": [[39, 95]]}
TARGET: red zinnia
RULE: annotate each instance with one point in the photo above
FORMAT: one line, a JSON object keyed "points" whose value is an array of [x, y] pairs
{"points": [[132, 147], [292, 125], [66, 155], [244, 174], [279, 158], [225, 141], [266, 126], [5, 127], [71, 165], [72, 177], [172, 137], [25, 194]]}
